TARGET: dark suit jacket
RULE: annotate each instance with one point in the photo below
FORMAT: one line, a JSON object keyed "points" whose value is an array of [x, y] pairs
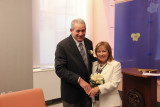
{"points": [[70, 66]]}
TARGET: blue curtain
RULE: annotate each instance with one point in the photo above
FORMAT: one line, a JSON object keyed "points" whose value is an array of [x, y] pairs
{"points": [[132, 18]]}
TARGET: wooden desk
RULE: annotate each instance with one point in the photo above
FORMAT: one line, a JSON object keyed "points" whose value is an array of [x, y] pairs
{"points": [[138, 90]]}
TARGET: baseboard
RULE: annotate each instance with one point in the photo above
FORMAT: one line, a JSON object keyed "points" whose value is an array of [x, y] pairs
{"points": [[53, 101]]}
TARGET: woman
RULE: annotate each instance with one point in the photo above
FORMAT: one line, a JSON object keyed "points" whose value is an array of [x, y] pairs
{"points": [[111, 72]]}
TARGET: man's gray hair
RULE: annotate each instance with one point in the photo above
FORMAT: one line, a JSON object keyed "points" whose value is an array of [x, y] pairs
{"points": [[78, 20]]}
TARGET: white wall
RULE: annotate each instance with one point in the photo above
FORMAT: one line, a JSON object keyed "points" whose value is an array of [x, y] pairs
{"points": [[103, 22], [15, 45], [49, 82]]}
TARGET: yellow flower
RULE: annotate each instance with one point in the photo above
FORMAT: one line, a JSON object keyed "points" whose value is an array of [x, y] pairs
{"points": [[135, 36]]}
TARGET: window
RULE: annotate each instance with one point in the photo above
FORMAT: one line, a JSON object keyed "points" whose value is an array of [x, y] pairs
{"points": [[51, 24]]}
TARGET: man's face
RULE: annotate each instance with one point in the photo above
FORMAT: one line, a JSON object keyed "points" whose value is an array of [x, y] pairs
{"points": [[78, 32]]}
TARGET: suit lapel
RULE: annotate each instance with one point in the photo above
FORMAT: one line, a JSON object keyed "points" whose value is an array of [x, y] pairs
{"points": [[107, 68], [87, 48], [75, 49]]}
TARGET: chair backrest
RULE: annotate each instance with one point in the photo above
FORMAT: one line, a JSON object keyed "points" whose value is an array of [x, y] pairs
{"points": [[25, 98]]}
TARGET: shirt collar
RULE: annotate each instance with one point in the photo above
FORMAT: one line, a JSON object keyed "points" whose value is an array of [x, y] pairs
{"points": [[77, 43]]}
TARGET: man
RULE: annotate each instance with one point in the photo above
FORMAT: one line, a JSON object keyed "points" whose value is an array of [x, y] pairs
{"points": [[73, 68]]}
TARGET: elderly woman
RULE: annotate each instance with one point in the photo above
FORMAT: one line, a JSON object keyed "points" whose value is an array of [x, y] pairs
{"points": [[111, 72]]}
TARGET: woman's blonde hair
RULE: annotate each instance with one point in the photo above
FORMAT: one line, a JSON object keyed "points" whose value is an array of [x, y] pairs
{"points": [[108, 47]]}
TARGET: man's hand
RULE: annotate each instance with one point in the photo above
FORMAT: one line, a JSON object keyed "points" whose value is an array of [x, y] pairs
{"points": [[85, 85]]}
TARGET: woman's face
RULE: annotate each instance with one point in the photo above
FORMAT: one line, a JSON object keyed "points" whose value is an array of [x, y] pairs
{"points": [[102, 54]]}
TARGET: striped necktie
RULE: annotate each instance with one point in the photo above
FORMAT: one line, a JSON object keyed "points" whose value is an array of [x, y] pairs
{"points": [[83, 54]]}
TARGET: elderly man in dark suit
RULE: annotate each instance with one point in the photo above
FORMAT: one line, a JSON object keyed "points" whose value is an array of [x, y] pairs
{"points": [[73, 63]]}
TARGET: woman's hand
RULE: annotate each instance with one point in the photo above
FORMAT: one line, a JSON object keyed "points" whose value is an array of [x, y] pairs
{"points": [[93, 91]]}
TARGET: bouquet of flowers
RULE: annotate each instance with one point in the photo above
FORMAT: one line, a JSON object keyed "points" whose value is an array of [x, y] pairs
{"points": [[95, 80]]}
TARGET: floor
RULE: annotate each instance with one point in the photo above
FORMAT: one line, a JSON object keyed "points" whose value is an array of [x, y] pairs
{"points": [[119, 88]]}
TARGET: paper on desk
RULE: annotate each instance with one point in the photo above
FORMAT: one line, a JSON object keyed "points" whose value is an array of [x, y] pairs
{"points": [[150, 74]]}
